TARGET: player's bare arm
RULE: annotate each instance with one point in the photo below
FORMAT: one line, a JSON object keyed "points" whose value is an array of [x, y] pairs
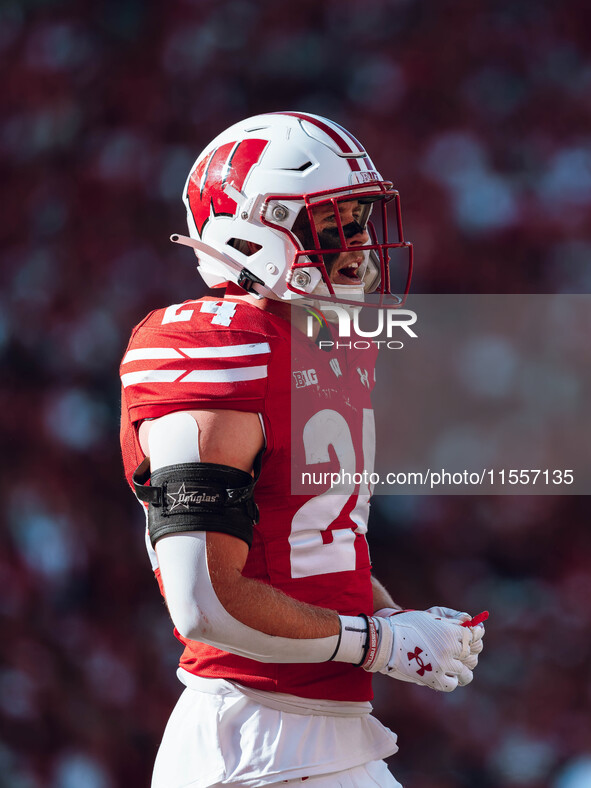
{"points": [[210, 600], [234, 439]]}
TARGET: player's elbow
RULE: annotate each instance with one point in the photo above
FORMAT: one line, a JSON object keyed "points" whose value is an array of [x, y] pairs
{"points": [[191, 622], [215, 627]]}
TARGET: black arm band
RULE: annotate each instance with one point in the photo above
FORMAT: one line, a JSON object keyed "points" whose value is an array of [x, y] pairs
{"points": [[197, 496]]}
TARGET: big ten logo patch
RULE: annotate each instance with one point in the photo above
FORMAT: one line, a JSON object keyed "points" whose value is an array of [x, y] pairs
{"points": [[305, 377]]}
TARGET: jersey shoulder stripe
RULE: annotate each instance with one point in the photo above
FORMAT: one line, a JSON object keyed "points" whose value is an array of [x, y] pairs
{"points": [[222, 351], [203, 374], [193, 363], [196, 376]]}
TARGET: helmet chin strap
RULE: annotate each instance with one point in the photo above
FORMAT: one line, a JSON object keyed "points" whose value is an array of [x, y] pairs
{"points": [[328, 303]]}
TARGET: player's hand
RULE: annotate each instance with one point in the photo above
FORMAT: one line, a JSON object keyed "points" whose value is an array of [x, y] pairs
{"points": [[419, 647], [476, 646]]}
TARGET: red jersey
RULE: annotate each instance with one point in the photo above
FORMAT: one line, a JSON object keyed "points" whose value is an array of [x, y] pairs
{"points": [[316, 411]]}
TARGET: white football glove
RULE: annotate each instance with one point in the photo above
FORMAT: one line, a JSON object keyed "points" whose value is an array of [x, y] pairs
{"points": [[419, 647], [476, 645], [447, 612], [439, 612]]}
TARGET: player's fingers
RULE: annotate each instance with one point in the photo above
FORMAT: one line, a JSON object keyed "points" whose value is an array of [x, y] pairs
{"points": [[447, 682], [466, 642], [458, 641], [476, 647], [465, 675], [471, 661], [477, 633]]}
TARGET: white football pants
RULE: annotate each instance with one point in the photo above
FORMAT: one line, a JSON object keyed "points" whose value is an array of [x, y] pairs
{"points": [[221, 737], [370, 775]]}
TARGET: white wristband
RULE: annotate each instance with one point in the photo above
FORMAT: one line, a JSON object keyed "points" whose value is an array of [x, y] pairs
{"points": [[352, 645], [365, 641]]}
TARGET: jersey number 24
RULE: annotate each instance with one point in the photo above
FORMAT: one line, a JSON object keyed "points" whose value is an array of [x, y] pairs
{"points": [[310, 553]]}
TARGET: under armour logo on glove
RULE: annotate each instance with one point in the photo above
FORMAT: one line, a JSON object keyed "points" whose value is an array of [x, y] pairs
{"points": [[441, 650], [415, 655]]}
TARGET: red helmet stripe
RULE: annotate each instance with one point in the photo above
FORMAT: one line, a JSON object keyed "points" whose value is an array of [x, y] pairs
{"points": [[340, 141], [366, 158]]}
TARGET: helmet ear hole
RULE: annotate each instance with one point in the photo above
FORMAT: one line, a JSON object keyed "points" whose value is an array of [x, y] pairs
{"points": [[247, 248]]}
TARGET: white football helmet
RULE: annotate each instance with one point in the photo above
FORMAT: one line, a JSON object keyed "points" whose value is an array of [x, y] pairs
{"points": [[250, 198]]}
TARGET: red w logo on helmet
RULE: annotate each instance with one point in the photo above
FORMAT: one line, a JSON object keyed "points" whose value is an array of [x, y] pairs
{"points": [[227, 165]]}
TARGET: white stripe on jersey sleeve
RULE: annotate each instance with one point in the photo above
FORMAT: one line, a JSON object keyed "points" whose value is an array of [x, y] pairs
{"points": [[151, 376], [144, 353], [224, 351], [227, 351], [225, 375], [196, 376]]}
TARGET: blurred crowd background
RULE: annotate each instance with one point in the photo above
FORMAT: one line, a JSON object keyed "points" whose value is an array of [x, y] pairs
{"points": [[480, 114]]}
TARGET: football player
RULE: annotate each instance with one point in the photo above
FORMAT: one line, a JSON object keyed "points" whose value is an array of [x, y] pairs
{"points": [[224, 400]]}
